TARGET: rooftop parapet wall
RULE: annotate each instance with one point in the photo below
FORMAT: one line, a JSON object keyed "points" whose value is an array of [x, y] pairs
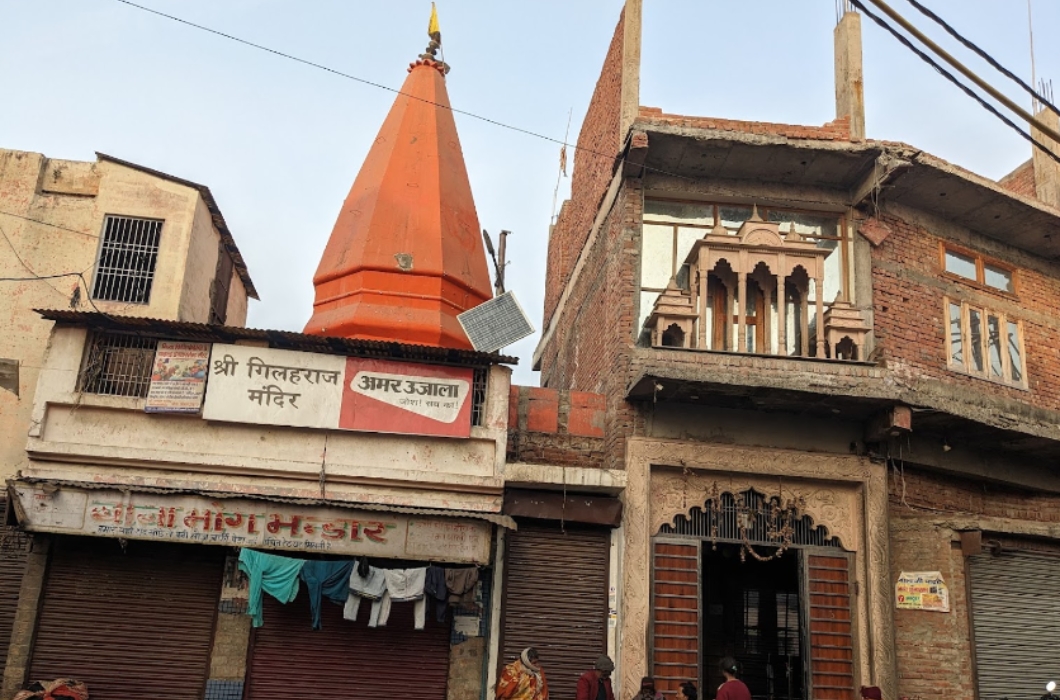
{"points": [[546, 426]]}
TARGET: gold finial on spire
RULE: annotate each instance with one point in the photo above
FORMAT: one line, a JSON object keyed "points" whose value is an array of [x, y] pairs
{"points": [[434, 31]]}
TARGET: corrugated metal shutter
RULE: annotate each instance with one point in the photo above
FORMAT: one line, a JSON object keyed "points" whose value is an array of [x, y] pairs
{"points": [[675, 615], [827, 586], [555, 599], [13, 550], [136, 625], [1015, 600], [346, 660]]}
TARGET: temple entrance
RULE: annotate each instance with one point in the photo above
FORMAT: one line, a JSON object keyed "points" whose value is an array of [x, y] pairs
{"points": [[751, 577], [751, 612]]}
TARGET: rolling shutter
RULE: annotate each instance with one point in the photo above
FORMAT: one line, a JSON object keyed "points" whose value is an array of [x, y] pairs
{"points": [[675, 614], [133, 625], [827, 588], [346, 660], [13, 550], [555, 599], [1015, 600]]}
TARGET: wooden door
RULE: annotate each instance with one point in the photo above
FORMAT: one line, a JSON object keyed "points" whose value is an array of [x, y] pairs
{"points": [[675, 614], [827, 584]]}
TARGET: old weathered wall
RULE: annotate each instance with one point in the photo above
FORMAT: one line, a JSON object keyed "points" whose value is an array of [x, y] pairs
{"points": [[908, 290], [935, 657], [200, 267]]}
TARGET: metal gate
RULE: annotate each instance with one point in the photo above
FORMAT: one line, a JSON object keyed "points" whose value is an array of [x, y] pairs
{"points": [[133, 622], [346, 660], [555, 599], [1015, 601]]}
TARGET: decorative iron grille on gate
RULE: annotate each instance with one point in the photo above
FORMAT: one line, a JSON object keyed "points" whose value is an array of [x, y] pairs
{"points": [[750, 518]]}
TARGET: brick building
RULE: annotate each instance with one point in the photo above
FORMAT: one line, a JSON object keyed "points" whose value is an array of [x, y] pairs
{"points": [[830, 378]]}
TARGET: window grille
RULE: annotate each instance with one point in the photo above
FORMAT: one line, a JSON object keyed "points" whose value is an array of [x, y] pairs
{"points": [[127, 258], [478, 396], [117, 365]]}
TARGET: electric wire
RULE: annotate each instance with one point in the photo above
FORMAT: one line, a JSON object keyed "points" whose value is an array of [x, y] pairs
{"points": [[982, 54], [45, 223], [952, 78], [364, 81]]}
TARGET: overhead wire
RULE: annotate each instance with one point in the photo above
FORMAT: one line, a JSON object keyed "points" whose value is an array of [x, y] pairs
{"points": [[983, 54], [396, 91], [46, 223], [953, 79]]}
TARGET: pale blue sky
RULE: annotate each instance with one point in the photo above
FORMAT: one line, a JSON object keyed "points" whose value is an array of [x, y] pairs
{"points": [[280, 143]]}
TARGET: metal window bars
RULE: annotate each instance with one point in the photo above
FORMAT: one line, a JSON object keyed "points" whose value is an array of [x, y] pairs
{"points": [[128, 254], [117, 365], [478, 395]]}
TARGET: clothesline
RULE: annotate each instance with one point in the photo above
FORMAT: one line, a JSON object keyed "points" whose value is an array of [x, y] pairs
{"points": [[348, 582]]}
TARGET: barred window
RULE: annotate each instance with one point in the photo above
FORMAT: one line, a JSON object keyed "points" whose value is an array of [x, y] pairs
{"points": [[127, 257], [478, 396], [117, 365]]}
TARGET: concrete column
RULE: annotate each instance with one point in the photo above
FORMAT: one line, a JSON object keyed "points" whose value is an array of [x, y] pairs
{"points": [[703, 310], [741, 312], [849, 77], [631, 33], [1047, 170], [24, 629]]}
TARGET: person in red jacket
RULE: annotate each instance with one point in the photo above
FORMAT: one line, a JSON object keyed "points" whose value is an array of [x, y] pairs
{"points": [[596, 684], [733, 688]]}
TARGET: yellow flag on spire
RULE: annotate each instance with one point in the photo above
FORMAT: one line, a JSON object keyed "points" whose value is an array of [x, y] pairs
{"points": [[433, 30]]}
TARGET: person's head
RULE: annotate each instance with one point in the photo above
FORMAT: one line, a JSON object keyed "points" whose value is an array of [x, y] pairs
{"points": [[648, 683], [530, 657], [604, 666], [687, 691], [727, 665]]}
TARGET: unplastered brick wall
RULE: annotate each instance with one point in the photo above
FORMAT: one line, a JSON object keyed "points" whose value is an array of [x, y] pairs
{"points": [[1021, 180], [934, 650], [547, 426], [591, 346], [908, 289], [836, 130], [594, 160]]}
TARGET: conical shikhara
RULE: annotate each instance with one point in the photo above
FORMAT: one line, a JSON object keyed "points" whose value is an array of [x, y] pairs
{"points": [[406, 256]]}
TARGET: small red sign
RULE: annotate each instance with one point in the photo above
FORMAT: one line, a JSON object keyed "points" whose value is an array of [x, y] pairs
{"points": [[410, 399]]}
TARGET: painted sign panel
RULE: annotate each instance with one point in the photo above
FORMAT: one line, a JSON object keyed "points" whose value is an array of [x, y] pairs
{"points": [[247, 523], [922, 590], [274, 387], [412, 399], [178, 377]]}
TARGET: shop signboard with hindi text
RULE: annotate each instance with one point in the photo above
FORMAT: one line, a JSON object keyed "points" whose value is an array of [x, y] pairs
{"points": [[412, 399], [237, 522], [922, 590], [314, 390], [274, 387], [178, 377]]}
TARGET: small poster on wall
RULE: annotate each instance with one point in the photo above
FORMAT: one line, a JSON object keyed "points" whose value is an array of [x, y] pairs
{"points": [[922, 590], [178, 378]]}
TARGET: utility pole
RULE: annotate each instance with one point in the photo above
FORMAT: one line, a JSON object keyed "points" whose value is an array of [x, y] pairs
{"points": [[499, 261]]}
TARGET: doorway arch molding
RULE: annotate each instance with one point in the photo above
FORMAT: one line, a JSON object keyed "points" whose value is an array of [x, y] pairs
{"points": [[674, 493]]}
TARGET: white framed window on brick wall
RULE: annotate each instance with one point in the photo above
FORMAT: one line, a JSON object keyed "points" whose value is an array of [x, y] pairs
{"points": [[985, 343], [128, 254]]}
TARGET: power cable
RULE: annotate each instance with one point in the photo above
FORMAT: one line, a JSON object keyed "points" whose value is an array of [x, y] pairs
{"points": [[371, 83], [983, 54], [45, 223], [953, 79]]}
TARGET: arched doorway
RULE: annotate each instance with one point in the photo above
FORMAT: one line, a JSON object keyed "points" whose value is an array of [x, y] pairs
{"points": [[748, 576]]}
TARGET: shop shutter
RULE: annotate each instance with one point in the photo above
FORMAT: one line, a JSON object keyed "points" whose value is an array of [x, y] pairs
{"points": [[346, 660], [827, 586], [675, 614], [555, 599], [133, 625], [13, 550], [1015, 600]]}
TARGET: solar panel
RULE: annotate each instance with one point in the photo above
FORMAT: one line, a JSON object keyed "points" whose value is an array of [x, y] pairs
{"points": [[496, 323]]}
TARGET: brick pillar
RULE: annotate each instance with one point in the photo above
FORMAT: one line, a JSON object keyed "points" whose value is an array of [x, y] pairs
{"points": [[24, 628], [1047, 170]]}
